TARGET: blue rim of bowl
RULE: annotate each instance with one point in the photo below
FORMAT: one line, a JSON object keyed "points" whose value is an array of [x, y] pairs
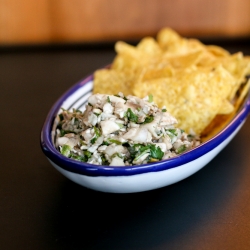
{"points": [[95, 170]]}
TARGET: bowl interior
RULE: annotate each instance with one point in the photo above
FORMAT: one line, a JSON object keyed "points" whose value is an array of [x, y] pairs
{"points": [[76, 98]]}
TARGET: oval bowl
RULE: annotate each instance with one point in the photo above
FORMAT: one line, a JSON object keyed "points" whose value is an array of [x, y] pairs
{"points": [[137, 178]]}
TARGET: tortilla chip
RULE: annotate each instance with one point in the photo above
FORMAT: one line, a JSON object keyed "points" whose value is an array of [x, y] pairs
{"points": [[118, 82], [199, 84], [193, 97]]}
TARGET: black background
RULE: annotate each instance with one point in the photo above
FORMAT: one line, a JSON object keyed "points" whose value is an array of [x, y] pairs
{"points": [[41, 209]]}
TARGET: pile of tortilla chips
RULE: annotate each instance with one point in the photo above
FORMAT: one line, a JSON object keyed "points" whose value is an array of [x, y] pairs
{"points": [[195, 82]]}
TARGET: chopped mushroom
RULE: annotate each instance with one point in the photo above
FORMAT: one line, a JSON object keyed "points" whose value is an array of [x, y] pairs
{"points": [[121, 131]]}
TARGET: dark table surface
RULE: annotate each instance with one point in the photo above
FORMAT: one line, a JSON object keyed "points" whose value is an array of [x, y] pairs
{"points": [[41, 209]]}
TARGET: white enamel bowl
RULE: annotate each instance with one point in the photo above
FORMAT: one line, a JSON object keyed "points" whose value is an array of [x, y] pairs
{"points": [[132, 178]]}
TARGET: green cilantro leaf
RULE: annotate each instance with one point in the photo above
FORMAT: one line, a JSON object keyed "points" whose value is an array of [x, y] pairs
{"points": [[65, 150], [181, 149], [150, 98], [132, 116], [148, 119], [96, 136], [156, 152]]}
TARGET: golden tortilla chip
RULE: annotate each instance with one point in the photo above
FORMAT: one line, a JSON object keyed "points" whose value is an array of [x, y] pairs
{"points": [[186, 60], [217, 51], [199, 84], [193, 97], [117, 82], [226, 107], [173, 44], [149, 46], [239, 67]]}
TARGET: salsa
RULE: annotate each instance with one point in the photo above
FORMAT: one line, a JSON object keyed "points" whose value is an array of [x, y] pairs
{"points": [[120, 130]]}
